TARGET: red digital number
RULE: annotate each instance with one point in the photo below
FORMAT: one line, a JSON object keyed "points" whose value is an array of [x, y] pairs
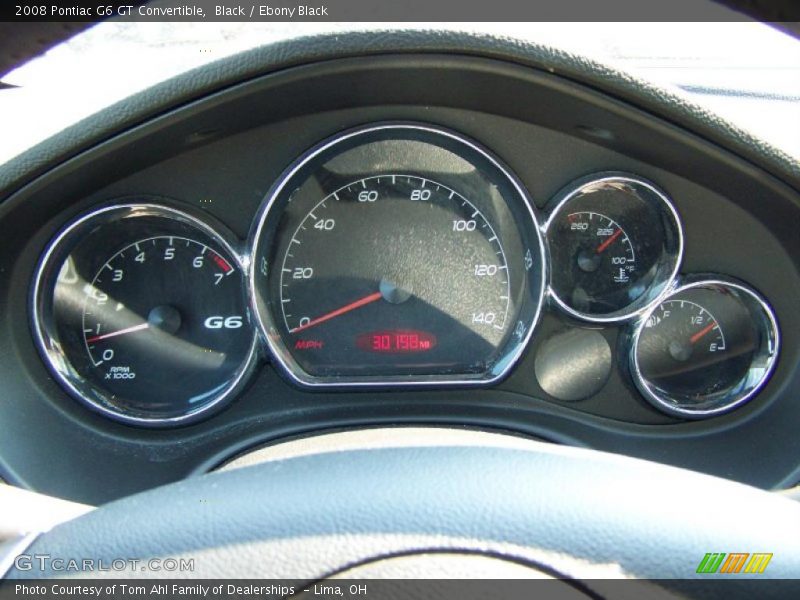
{"points": [[396, 341]]}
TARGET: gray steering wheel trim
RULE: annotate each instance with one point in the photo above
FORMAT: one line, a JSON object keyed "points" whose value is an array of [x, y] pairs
{"points": [[577, 513]]}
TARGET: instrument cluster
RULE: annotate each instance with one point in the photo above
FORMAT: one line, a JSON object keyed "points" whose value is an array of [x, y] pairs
{"points": [[389, 256]]}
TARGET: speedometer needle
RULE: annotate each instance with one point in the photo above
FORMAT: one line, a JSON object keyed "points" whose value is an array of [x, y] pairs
{"points": [[609, 241], [97, 338], [339, 311]]}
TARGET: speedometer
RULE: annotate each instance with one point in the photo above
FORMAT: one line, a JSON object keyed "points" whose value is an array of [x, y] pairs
{"points": [[397, 253], [450, 221]]}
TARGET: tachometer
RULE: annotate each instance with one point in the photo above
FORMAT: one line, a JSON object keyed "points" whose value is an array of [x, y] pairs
{"points": [[397, 253], [140, 312]]}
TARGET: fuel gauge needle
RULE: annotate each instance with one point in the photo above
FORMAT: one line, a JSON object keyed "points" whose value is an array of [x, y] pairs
{"points": [[340, 311], [105, 336], [697, 336]]}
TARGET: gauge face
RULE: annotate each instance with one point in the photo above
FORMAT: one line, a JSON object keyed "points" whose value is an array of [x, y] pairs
{"points": [[397, 254], [604, 257], [437, 266], [615, 244], [705, 349], [692, 357], [145, 318]]}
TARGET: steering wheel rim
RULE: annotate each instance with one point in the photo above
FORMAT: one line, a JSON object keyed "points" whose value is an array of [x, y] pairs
{"points": [[579, 514]]}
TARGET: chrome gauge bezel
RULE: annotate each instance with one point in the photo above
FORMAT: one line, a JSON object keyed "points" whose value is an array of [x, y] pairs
{"points": [[45, 331], [267, 324], [754, 380], [667, 272]]}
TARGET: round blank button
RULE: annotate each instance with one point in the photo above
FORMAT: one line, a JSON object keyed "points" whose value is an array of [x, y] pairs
{"points": [[574, 364]]}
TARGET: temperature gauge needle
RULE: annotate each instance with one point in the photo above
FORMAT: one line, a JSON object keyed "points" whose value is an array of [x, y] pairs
{"points": [[696, 337], [601, 248], [340, 311], [105, 336]]}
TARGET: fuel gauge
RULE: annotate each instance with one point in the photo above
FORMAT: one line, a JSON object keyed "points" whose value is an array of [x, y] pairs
{"points": [[708, 347]]}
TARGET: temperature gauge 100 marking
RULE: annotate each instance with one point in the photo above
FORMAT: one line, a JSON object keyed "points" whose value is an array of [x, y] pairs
{"points": [[615, 245], [705, 349]]}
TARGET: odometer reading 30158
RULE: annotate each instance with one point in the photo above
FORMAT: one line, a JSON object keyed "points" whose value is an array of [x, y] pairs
{"points": [[397, 254]]}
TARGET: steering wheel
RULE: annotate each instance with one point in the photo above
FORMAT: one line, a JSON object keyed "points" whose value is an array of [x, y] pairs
{"points": [[428, 502]]}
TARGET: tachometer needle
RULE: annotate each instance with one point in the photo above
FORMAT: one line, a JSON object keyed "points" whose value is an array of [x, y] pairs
{"points": [[609, 241], [97, 338], [696, 337], [340, 311]]}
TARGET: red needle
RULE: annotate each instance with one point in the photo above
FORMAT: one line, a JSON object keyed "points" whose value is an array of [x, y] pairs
{"points": [[97, 338], [694, 339], [340, 311], [609, 241]]}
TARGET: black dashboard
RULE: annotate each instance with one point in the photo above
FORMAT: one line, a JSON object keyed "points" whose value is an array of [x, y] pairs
{"points": [[407, 239]]}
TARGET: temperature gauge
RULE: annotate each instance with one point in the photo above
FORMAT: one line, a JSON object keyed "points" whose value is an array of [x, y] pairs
{"points": [[605, 250], [615, 245], [707, 348]]}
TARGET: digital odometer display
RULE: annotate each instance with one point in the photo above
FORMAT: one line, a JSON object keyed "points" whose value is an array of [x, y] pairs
{"points": [[396, 341], [397, 253]]}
